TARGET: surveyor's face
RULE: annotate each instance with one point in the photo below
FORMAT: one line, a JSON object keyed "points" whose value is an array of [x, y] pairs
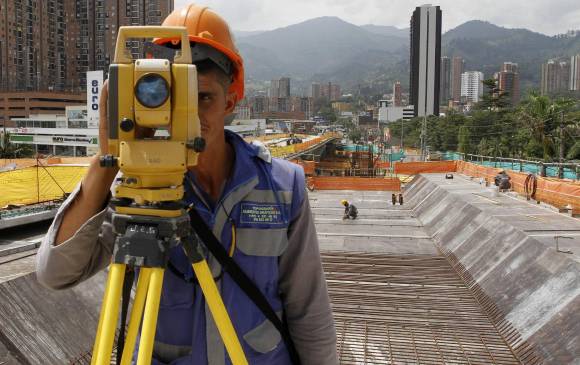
{"points": [[214, 105]]}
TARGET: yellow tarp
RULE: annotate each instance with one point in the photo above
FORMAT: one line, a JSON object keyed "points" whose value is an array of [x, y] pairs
{"points": [[33, 185]]}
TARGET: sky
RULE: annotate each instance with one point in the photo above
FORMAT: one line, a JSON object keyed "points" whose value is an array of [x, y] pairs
{"points": [[544, 16]]}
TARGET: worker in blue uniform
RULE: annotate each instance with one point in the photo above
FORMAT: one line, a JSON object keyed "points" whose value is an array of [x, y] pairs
{"points": [[255, 205]]}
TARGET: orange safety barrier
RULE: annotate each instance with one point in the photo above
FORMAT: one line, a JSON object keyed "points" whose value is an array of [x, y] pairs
{"points": [[556, 192], [354, 183], [334, 164], [305, 145], [308, 166], [414, 168]]}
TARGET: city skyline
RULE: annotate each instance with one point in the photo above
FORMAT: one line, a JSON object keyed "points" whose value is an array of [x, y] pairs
{"points": [[259, 15]]}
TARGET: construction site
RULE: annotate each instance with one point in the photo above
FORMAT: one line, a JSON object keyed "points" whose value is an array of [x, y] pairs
{"points": [[439, 267]]}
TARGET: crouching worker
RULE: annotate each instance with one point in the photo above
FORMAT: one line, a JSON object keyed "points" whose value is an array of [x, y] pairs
{"points": [[350, 211], [502, 180], [230, 188]]}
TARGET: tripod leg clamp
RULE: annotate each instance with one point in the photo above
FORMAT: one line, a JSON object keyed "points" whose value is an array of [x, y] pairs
{"points": [[193, 249]]}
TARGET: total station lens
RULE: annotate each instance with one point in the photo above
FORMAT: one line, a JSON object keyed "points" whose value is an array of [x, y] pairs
{"points": [[152, 90]]}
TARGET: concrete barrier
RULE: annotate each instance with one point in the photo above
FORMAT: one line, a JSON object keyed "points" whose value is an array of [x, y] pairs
{"points": [[502, 247]]}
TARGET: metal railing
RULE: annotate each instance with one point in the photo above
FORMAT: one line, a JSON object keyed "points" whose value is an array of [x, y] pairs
{"points": [[569, 170]]}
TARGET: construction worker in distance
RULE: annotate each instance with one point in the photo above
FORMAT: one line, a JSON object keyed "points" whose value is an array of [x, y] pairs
{"points": [[350, 211], [502, 181], [241, 192]]}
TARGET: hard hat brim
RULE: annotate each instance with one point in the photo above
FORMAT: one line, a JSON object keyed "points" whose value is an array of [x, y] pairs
{"points": [[237, 61]]}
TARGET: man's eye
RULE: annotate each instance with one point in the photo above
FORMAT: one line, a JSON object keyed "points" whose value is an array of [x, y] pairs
{"points": [[204, 96]]}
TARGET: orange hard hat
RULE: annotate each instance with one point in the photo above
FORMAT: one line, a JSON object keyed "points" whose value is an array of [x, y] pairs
{"points": [[206, 27]]}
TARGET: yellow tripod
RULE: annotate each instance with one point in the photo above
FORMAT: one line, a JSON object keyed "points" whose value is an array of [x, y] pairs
{"points": [[147, 297]]}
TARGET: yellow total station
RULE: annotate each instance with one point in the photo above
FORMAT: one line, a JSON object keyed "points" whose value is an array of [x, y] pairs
{"points": [[154, 136], [154, 130]]}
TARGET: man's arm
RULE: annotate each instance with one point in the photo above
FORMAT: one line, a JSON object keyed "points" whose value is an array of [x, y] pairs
{"points": [[79, 241], [90, 199], [303, 287], [86, 251]]}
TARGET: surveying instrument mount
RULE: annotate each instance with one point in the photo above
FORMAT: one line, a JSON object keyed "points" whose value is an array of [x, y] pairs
{"points": [[149, 219]]}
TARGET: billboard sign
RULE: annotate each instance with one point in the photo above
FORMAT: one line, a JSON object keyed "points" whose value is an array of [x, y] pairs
{"points": [[94, 85]]}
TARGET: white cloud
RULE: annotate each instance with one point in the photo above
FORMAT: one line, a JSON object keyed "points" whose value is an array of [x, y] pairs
{"points": [[544, 16]]}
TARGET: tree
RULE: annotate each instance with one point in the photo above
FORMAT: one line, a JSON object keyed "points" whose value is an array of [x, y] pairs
{"points": [[13, 150], [574, 152], [464, 140], [544, 117], [355, 134], [493, 98], [483, 147], [328, 114]]}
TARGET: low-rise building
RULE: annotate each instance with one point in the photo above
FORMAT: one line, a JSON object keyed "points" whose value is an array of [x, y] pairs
{"points": [[25, 104], [58, 135]]}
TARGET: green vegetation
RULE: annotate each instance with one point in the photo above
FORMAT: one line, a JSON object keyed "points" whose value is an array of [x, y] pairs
{"points": [[532, 130], [13, 150]]}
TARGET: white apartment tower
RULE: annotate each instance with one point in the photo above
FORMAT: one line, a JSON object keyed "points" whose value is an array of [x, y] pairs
{"points": [[472, 86], [574, 83]]}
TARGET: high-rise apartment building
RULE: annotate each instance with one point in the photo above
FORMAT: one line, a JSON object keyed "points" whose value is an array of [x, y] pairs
{"points": [[471, 86], [445, 80], [555, 77], [548, 83], [301, 104], [274, 90], [279, 88], [509, 81], [259, 105], [284, 87], [34, 45], [330, 91], [563, 75], [315, 90], [574, 83], [457, 69], [106, 16], [49, 45], [397, 94], [425, 32]]}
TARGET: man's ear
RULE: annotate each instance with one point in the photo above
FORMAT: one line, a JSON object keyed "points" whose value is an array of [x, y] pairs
{"points": [[230, 102]]}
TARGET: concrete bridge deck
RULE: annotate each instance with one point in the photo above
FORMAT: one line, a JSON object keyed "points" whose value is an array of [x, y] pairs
{"points": [[454, 276]]}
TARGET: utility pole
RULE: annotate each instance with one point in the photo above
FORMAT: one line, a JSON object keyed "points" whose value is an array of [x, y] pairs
{"points": [[424, 139], [402, 133], [561, 168]]}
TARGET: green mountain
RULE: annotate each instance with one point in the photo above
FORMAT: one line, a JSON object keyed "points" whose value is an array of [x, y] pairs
{"points": [[330, 49], [386, 30], [324, 49], [485, 47]]}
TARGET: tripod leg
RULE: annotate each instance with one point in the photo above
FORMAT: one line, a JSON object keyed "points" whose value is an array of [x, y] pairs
{"points": [[150, 317], [109, 315], [100, 325], [219, 313], [136, 315]]}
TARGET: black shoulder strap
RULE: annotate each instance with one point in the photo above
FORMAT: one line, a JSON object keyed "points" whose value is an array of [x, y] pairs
{"points": [[242, 280]]}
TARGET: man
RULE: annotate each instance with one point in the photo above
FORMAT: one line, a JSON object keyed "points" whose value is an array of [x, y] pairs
{"points": [[232, 186], [502, 180], [350, 211]]}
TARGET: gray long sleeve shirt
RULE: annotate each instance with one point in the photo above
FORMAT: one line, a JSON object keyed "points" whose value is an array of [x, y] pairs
{"points": [[306, 302]]}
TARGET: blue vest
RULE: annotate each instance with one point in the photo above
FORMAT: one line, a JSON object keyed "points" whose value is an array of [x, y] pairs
{"points": [[261, 199]]}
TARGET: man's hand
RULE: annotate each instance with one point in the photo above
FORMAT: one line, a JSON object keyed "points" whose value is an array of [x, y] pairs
{"points": [[103, 119]]}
